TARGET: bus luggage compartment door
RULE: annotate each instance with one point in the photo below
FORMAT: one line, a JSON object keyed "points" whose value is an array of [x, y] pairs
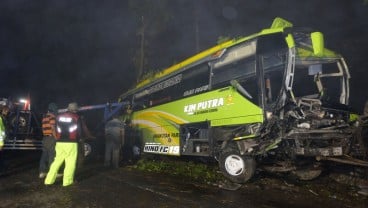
{"points": [[195, 140]]}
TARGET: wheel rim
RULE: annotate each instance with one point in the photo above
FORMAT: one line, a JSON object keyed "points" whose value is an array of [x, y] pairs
{"points": [[234, 165], [22, 122]]}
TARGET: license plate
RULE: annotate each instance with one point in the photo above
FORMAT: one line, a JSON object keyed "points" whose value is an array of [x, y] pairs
{"points": [[337, 151]]}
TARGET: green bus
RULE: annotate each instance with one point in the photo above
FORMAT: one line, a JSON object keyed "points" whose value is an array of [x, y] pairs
{"points": [[277, 98]]}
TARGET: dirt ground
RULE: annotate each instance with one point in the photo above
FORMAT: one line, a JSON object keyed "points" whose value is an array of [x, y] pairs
{"points": [[129, 187]]}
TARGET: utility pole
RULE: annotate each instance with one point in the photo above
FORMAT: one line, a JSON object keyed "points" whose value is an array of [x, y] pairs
{"points": [[196, 27], [141, 60]]}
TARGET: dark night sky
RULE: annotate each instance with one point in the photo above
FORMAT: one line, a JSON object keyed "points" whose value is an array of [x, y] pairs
{"points": [[82, 50]]}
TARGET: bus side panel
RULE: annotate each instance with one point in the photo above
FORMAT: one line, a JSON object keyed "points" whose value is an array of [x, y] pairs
{"points": [[160, 134], [224, 104], [159, 125]]}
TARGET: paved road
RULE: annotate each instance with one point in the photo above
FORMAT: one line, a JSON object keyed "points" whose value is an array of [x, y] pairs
{"points": [[128, 187]]}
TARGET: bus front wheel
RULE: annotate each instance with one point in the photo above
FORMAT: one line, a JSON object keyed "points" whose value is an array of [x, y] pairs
{"points": [[235, 167]]}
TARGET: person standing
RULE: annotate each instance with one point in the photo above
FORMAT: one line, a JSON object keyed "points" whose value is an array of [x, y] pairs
{"points": [[114, 140], [48, 141], [4, 110], [85, 135], [131, 142], [68, 133], [2, 128]]}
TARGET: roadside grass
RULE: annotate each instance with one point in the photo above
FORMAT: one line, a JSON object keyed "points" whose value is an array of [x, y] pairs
{"points": [[203, 171]]}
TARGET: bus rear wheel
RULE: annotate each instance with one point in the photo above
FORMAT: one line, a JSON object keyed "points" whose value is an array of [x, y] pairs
{"points": [[235, 167]]}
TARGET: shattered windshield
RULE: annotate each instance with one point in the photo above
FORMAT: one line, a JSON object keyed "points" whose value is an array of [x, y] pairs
{"points": [[318, 81]]}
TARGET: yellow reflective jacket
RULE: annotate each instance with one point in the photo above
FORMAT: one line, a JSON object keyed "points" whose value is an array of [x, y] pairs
{"points": [[2, 132]]}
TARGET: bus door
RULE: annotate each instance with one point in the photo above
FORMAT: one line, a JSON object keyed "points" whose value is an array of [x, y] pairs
{"points": [[271, 65]]}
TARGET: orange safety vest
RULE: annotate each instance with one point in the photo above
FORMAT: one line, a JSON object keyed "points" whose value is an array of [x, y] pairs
{"points": [[48, 123]]}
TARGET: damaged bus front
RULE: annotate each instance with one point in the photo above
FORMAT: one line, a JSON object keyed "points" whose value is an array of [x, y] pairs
{"points": [[307, 118]]}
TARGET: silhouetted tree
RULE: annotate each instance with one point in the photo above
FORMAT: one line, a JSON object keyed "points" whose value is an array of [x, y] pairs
{"points": [[153, 16]]}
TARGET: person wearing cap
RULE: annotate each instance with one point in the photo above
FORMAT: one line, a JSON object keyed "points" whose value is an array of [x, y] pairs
{"points": [[68, 132], [48, 141]]}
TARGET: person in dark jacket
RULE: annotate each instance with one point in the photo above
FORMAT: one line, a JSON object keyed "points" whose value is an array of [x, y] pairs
{"points": [[114, 140]]}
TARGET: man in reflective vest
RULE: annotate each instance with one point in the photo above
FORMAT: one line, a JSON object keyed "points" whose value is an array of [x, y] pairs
{"points": [[68, 132], [48, 142]]}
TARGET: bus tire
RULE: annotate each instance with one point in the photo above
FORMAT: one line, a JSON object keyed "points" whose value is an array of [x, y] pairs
{"points": [[235, 167]]}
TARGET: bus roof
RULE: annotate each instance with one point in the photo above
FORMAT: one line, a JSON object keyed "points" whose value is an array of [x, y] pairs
{"points": [[278, 25]]}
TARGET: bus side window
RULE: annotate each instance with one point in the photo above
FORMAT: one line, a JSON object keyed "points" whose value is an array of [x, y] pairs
{"points": [[195, 81], [250, 85], [139, 106], [236, 70]]}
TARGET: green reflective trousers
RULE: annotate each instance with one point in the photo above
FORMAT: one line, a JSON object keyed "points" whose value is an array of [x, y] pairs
{"points": [[68, 152]]}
